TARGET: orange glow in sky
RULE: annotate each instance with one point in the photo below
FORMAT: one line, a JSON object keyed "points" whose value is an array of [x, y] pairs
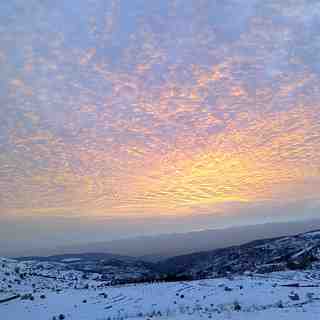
{"points": [[165, 111]]}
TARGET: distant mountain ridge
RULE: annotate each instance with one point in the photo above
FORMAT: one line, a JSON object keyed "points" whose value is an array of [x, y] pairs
{"points": [[295, 252], [160, 247], [74, 257]]}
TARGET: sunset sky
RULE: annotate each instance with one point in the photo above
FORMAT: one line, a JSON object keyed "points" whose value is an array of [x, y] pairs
{"points": [[133, 116]]}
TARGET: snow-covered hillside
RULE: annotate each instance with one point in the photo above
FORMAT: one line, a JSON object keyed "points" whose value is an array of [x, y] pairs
{"points": [[48, 291], [300, 251]]}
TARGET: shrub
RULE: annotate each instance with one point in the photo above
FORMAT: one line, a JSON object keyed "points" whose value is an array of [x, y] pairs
{"points": [[236, 306], [304, 264], [279, 304], [294, 296], [27, 296]]}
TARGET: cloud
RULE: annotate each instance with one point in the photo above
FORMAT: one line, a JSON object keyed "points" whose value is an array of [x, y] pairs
{"points": [[156, 113]]}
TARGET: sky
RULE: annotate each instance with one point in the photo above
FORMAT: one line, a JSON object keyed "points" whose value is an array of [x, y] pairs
{"points": [[129, 117]]}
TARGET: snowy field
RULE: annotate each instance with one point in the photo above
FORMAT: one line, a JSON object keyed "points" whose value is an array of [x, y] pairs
{"points": [[70, 295]]}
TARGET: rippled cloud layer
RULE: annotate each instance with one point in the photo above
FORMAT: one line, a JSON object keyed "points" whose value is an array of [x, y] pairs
{"points": [[142, 108]]}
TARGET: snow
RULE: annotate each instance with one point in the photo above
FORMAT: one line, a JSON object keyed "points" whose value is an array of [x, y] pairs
{"points": [[300, 253], [71, 260], [88, 298], [313, 233]]}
